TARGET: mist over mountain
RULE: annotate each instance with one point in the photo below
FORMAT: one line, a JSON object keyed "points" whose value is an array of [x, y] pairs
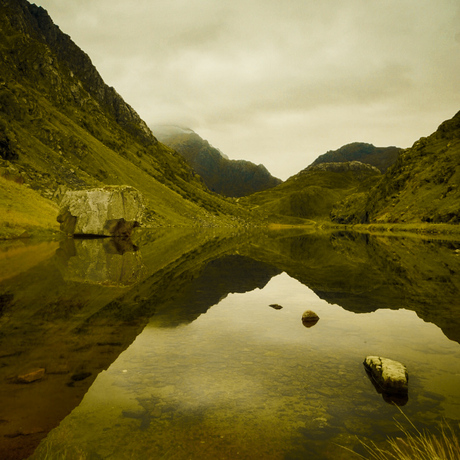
{"points": [[233, 178]]}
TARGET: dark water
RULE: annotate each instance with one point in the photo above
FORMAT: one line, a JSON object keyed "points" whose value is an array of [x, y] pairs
{"points": [[168, 347]]}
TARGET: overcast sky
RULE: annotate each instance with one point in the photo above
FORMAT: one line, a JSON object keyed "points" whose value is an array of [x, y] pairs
{"points": [[277, 82]]}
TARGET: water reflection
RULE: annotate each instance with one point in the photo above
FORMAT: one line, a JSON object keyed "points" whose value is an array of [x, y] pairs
{"points": [[244, 380], [108, 261], [75, 312]]}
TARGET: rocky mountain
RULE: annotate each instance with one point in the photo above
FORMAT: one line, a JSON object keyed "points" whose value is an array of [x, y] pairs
{"points": [[380, 157], [233, 178], [62, 127], [312, 193], [422, 186]]}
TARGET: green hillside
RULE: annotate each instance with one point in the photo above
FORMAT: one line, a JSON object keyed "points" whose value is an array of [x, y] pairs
{"points": [[62, 127], [24, 211], [423, 186], [311, 194]]}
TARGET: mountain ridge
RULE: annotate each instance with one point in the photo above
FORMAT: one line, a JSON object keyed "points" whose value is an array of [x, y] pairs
{"points": [[232, 178], [380, 157]]}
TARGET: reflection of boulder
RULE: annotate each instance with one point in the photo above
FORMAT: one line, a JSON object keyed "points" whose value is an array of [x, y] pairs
{"points": [[389, 377], [111, 262], [108, 211]]}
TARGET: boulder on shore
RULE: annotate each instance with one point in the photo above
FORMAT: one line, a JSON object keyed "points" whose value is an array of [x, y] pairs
{"points": [[106, 211], [391, 376]]}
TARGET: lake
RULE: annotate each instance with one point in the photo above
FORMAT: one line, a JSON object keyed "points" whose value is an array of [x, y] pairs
{"points": [[189, 344]]}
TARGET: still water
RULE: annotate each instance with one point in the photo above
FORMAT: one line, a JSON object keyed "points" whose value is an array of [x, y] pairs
{"points": [[206, 368]]}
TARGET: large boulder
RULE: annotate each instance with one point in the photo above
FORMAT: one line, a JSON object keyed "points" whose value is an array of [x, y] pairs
{"points": [[391, 376], [107, 211]]}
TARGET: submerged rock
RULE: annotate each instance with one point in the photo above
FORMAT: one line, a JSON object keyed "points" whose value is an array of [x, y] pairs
{"points": [[309, 318], [390, 376], [32, 376], [107, 211]]}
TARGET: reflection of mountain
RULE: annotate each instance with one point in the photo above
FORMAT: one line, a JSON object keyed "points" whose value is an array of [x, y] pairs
{"points": [[220, 277], [73, 320], [363, 273], [75, 329]]}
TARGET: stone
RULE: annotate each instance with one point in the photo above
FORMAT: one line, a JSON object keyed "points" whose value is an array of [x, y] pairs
{"points": [[276, 306], [309, 318], [107, 211], [391, 376], [32, 376]]}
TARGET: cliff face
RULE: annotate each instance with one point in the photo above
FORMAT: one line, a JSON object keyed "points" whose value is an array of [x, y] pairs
{"points": [[63, 56], [62, 126], [233, 178]]}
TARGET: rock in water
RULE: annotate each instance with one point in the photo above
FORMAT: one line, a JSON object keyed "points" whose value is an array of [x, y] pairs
{"points": [[309, 318], [107, 211], [391, 376], [32, 376]]}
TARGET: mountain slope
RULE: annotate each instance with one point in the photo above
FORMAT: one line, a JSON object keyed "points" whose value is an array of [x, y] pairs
{"points": [[62, 126], [422, 186], [380, 157], [233, 178], [312, 193]]}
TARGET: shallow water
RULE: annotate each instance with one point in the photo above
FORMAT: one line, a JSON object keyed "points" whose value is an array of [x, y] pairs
{"points": [[216, 373], [248, 381]]}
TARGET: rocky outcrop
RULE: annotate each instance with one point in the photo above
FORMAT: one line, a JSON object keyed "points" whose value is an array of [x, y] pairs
{"points": [[34, 22], [380, 157], [355, 166], [390, 376], [107, 211]]}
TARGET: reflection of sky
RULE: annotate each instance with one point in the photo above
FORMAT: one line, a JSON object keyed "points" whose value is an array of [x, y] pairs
{"points": [[243, 357]]}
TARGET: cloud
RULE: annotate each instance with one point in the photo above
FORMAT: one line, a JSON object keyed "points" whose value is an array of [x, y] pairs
{"points": [[308, 75]]}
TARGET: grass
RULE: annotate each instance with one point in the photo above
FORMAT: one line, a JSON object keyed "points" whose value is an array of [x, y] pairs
{"points": [[23, 211], [415, 445]]}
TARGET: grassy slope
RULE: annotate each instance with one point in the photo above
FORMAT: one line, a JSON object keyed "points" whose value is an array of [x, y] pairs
{"points": [[308, 196], [24, 211], [421, 187]]}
